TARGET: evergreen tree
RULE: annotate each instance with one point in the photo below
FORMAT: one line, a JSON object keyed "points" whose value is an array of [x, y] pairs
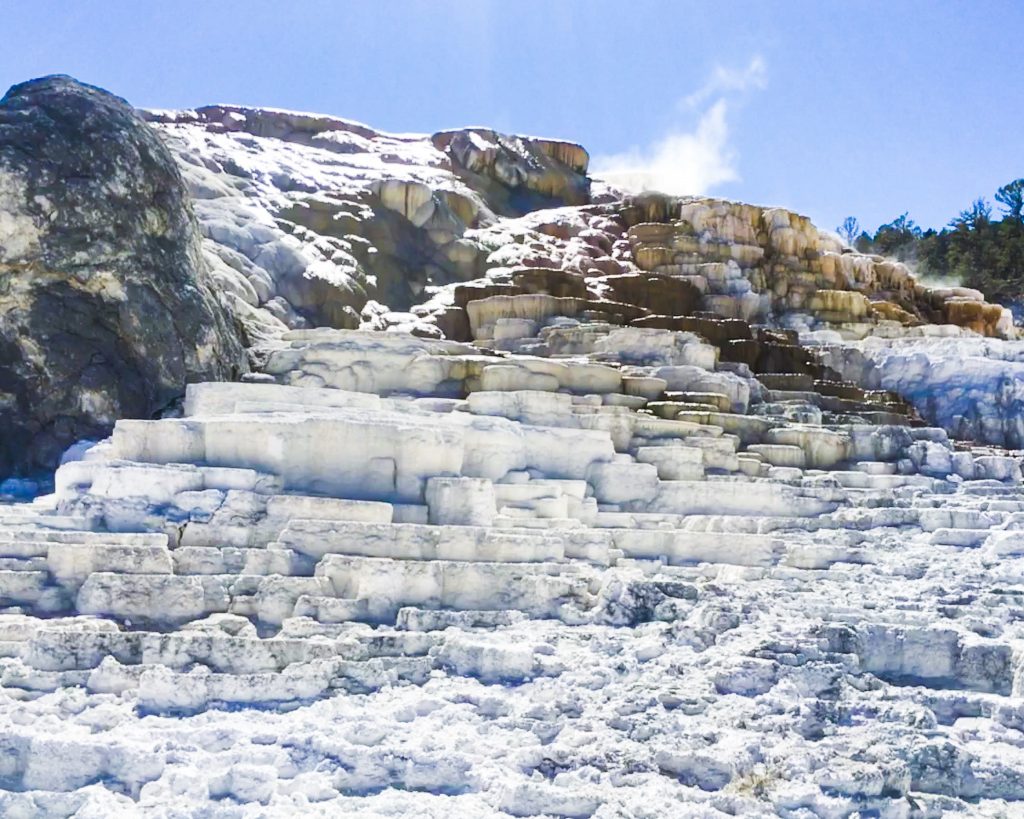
{"points": [[1011, 197], [897, 238], [977, 249], [849, 230]]}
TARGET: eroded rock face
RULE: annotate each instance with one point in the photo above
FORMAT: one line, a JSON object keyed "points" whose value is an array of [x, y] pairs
{"points": [[106, 309], [307, 219], [311, 220], [628, 523], [762, 263], [971, 386], [515, 174]]}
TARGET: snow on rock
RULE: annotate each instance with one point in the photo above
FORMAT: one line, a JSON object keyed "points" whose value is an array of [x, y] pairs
{"points": [[307, 218], [414, 591], [580, 506], [973, 387]]}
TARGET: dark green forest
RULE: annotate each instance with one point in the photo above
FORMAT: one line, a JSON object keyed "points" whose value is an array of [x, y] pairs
{"points": [[979, 248]]}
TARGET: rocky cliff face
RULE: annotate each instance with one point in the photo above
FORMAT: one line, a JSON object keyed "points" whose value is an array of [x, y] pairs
{"points": [[307, 220], [315, 221], [570, 504], [106, 307]]}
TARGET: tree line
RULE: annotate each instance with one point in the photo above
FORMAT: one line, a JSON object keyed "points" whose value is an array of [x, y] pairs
{"points": [[977, 248]]}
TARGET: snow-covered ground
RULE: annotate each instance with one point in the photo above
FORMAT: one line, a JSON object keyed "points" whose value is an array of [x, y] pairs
{"points": [[801, 692], [523, 603], [600, 539]]}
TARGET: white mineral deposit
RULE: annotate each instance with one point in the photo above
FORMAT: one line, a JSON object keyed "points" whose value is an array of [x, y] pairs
{"points": [[601, 505]]}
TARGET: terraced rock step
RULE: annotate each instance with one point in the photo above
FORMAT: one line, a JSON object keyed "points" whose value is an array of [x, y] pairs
{"points": [[527, 498], [562, 557]]}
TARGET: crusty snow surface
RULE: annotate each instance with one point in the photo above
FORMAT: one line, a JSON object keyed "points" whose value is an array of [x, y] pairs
{"points": [[345, 588], [590, 640], [752, 700]]}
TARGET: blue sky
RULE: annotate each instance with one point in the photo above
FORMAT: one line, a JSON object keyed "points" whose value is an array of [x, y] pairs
{"points": [[830, 108]]}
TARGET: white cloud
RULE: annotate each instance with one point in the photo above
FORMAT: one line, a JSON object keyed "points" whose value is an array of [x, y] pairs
{"points": [[678, 163], [688, 161], [730, 80]]}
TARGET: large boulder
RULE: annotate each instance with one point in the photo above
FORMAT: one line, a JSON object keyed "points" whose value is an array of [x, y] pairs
{"points": [[106, 308]]}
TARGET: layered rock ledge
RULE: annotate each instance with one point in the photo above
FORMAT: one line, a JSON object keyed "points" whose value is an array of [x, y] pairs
{"points": [[595, 570], [539, 501]]}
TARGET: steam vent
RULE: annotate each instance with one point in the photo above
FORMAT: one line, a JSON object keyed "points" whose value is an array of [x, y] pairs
{"points": [[429, 476]]}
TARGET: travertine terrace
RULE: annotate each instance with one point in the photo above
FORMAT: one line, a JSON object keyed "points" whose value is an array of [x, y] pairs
{"points": [[636, 506]]}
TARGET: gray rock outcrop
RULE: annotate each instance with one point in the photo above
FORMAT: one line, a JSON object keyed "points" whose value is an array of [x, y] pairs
{"points": [[106, 307]]}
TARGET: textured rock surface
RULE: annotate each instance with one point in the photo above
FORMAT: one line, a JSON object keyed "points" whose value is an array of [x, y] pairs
{"points": [[633, 509], [973, 387], [106, 309], [307, 219], [415, 577], [311, 220]]}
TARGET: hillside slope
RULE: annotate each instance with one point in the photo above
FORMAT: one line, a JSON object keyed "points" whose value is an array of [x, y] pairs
{"points": [[315, 221], [537, 500]]}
